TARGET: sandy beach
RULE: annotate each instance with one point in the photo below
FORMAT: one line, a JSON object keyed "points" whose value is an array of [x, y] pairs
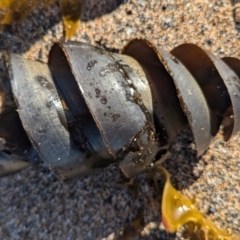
{"points": [[34, 204]]}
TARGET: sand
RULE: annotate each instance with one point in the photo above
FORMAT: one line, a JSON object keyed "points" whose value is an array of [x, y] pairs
{"points": [[34, 204]]}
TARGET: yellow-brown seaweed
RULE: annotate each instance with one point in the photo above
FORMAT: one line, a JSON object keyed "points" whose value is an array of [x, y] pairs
{"points": [[71, 11], [178, 211], [14, 11]]}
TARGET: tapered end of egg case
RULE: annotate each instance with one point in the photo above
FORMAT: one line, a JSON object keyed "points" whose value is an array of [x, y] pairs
{"points": [[190, 84], [220, 84]]}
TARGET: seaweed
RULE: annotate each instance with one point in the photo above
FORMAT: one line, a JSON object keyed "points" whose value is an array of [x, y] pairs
{"points": [[178, 211], [12, 11]]}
